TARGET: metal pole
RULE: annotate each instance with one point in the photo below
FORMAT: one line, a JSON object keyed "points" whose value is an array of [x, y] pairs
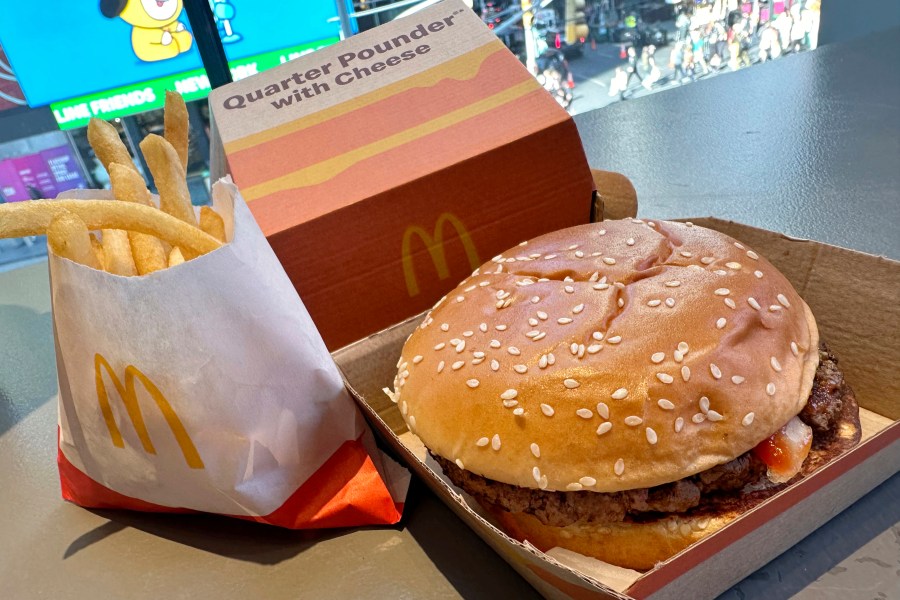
{"points": [[206, 35], [344, 16], [527, 19]]}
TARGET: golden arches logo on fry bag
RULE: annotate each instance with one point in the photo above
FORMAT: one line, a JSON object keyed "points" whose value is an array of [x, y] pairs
{"points": [[435, 246], [128, 394]]}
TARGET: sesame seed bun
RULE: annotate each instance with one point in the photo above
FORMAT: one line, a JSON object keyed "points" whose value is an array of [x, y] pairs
{"points": [[608, 357]]}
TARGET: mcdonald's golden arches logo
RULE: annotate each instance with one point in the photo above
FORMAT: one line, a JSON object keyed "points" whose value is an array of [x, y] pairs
{"points": [[435, 246], [128, 394]]}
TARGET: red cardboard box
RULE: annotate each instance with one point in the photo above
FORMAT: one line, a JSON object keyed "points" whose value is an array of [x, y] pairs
{"points": [[386, 167]]}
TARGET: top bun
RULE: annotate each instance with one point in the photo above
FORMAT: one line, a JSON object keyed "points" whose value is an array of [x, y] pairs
{"points": [[607, 357]]}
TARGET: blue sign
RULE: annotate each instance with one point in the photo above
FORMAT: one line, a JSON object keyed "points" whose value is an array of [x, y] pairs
{"points": [[60, 50]]}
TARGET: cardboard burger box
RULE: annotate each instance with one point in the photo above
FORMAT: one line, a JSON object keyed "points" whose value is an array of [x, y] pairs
{"points": [[385, 167], [864, 340]]}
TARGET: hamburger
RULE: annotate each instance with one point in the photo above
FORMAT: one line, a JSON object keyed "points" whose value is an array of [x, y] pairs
{"points": [[625, 388]]}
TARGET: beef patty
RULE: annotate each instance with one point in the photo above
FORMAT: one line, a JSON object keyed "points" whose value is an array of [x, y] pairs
{"points": [[831, 412]]}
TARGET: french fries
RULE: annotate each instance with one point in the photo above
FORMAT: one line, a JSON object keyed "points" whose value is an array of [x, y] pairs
{"points": [[175, 257], [19, 219], [148, 253], [107, 145], [136, 238], [211, 222], [169, 178], [176, 126], [68, 237]]}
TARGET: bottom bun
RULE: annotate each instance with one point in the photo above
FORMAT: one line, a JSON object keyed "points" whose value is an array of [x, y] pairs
{"points": [[636, 546]]}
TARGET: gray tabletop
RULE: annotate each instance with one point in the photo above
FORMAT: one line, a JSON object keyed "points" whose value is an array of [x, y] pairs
{"points": [[806, 145]]}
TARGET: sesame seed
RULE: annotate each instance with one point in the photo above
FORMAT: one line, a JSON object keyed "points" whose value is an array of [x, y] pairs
{"points": [[686, 373], [775, 307], [619, 467], [730, 303], [404, 408], [656, 302], [574, 487], [513, 350], [587, 481], [752, 254], [704, 404], [458, 365], [584, 413], [602, 232], [494, 344], [533, 334], [547, 410], [630, 241], [544, 482], [603, 410], [621, 302], [686, 254], [580, 350], [571, 384], [739, 246], [716, 372], [683, 347], [633, 421], [657, 357], [482, 442], [417, 359], [698, 418], [495, 365], [597, 336], [569, 289], [564, 320], [720, 324], [600, 286], [495, 441], [542, 362], [759, 274], [519, 411], [722, 292], [460, 464], [665, 404], [714, 416], [573, 246], [609, 260], [673, 283], [578, 308], [460, 298], [679, 425], [478, 354], [536, 473], [651, 224], [535, 299], [770, 389], [733, 265], [707, 260], [794, 349], [440, 346], [604, 427], [520, 369], [484, 284], [782, 299], [551, 359], [461, 346], [594, 276], [445, 327], [510, 403], [468, 333], [665, 377], [483, 328], [753, 303], [678, 356], [579, 254], [573, 348], [651, 435], [500, 327], [670, 302], [440, 366], [748, 419], [614, 339], [619, 394], [477, 361], [594, 348], [775, 364], [412, 423]]}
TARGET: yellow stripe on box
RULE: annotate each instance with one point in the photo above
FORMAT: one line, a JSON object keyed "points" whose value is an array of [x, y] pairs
{"points": [[462, 68], [128, 393], [331, 168]]}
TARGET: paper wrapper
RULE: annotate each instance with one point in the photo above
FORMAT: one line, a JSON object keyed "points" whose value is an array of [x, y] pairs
{"points": [[206, 387]]}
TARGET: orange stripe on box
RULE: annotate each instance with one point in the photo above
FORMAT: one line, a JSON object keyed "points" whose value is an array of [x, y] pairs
{"points": [[463, 67], [282, 210], [328, 169], [374, 122]]}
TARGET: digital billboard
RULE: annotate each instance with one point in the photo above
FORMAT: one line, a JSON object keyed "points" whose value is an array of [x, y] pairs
{"points": [[110, 58]]}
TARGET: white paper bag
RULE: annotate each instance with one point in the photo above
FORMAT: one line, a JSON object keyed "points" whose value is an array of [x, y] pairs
{"points": [[206, 387]]}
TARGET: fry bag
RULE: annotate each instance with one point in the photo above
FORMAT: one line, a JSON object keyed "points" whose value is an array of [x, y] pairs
{"points": [[206, 387]]}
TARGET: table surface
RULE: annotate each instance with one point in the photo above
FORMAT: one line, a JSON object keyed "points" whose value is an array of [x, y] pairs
{"points": [[807, 145]]}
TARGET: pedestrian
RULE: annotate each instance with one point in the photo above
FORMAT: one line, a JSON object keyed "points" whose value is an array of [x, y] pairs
{"points": [[677, 62], [697, 44], [631, 70]]}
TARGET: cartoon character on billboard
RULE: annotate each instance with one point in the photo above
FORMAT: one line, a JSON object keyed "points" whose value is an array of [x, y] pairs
{"points": [[224, 12], [156, 32]]}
